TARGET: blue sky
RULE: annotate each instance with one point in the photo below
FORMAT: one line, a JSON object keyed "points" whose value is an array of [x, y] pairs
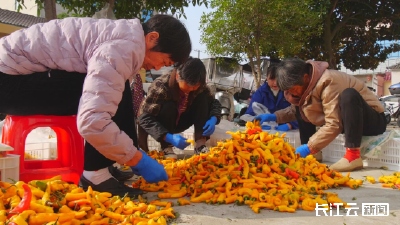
{"points": [[192, 24]]}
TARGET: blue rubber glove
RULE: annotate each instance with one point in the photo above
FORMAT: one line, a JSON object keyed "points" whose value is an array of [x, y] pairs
{"points": [[265, 127], [283, 127], [303, 150], [150, 169], [177, 141], [265, 118], [210, 126]]}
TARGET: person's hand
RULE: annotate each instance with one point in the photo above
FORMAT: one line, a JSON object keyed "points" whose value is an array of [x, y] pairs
{"points": [[265, 118], [265, 127], [149, 169], [303, 150], [283, 127], [177, 141], [210, 126]]}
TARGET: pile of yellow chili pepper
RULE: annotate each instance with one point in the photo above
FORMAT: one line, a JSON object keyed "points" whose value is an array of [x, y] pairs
{"points": [[390, 181], [54, 201], [253, 168]]}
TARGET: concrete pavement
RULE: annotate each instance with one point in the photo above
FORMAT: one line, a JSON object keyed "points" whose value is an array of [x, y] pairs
{"points": [[201, 213]]}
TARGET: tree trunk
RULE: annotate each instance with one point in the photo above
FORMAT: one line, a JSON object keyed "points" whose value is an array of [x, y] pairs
{"points": [[112, 3], [328, 51], [50, 10]]}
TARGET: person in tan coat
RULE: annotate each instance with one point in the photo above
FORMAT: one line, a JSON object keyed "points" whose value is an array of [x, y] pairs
{"points": [[333, 100]]}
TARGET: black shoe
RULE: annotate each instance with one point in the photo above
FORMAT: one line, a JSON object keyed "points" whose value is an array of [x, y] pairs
{"points": [[120, 175], [112, 186], [201, 149]]}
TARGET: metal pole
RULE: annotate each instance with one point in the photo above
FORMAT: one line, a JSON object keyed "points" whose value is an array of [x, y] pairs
{"points": [[198, 53]]}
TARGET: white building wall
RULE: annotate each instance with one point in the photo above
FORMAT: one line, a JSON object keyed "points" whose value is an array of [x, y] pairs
{"points": [[382, 67], [395, 76], [30, 6], [8, 5]]}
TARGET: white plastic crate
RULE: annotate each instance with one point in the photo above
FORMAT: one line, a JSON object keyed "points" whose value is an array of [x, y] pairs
{"points": [[41, 151], [9, 168], [335, 150], [389, 156], [153, 144], [292, 137]]}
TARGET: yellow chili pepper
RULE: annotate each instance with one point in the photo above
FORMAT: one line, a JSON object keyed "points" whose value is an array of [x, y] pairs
{"points": [[231, 199], [371, 180], [202, 197], [167, 212], [190, 141], [41, 218], [284, 208], [256, 207], [328, 179], [183, 201]]}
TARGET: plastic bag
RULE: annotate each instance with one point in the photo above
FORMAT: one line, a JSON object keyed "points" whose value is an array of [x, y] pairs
{"points": [[258, 109], [371, 145], [105, 13]]}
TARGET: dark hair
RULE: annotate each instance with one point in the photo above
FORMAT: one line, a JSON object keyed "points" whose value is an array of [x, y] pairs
{"points": [[290, 72], [174, 38], [192, 71], [271, 73]]}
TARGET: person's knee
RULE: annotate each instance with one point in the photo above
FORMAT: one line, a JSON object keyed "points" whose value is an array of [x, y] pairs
{"points": [[168, 113], [349, 97]]}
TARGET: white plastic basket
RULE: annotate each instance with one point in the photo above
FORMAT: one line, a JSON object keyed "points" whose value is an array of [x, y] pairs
{"points": [[293, 138], [9, 168], [41, 151], [335, 150], [389, 156], [153, 144]]}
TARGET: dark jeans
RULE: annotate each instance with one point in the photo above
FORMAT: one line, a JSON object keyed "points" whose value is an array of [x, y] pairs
{"points": [[59, 94], [358, 118], [197, 114]]}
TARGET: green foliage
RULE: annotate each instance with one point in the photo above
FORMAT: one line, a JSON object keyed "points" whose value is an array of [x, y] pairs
{"points": [[126, 9], [65, 15], [353, 32], [123, 9], [249, 29]]}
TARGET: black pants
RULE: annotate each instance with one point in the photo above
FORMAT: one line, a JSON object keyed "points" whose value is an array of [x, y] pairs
{"points": [[58, 93], [358, 118], [197, 114]]}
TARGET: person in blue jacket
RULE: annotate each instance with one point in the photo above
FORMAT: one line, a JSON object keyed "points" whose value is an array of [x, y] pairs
{"points": [[270, 96]]}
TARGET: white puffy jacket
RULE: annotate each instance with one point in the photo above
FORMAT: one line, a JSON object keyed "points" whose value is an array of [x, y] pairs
{"points": [[109, 51]]}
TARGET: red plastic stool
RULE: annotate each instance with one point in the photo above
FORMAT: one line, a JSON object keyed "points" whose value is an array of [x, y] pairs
{"points": [[70, 147]]}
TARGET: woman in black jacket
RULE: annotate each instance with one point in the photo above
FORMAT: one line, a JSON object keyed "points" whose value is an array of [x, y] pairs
{"points": [[176, 101]]}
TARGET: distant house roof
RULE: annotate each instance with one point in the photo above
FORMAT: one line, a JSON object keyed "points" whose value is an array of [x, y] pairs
{"points": [[19, 19], [395, 67]]}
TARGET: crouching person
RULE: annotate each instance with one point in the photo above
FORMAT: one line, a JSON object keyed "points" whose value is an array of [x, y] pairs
{"points": [[176, 101], [333, 100]]}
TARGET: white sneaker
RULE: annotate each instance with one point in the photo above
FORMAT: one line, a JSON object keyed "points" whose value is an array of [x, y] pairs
{"points": [[201, 149], [169, 153]]}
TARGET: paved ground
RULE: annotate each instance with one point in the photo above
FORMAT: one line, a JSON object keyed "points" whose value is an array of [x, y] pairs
{"points": [[201, 213], [230, 214]]}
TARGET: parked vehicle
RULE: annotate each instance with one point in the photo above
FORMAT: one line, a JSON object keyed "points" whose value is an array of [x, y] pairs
{"points": [[392, 109], [225, 78], [395, 89]]}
